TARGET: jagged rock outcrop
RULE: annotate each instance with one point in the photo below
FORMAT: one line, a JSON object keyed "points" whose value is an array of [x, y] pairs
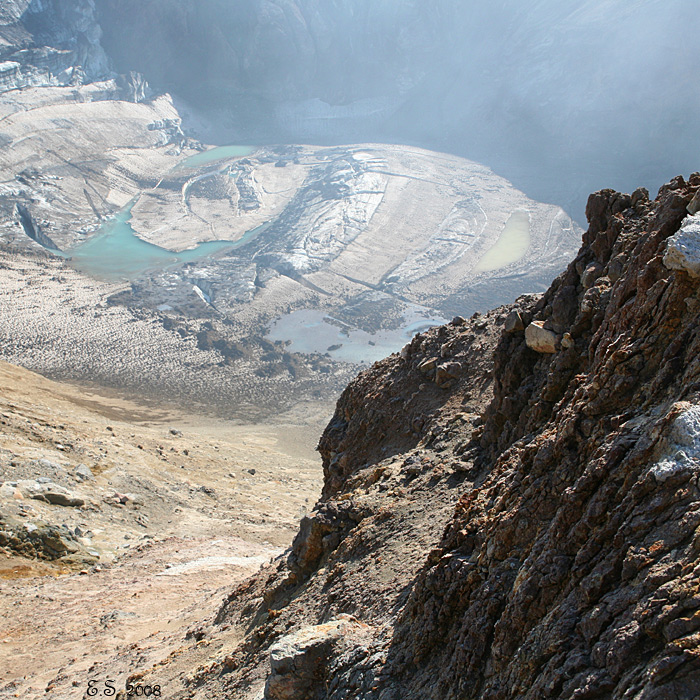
{"points": [[50, 42], [570, 566], [572, 570]]}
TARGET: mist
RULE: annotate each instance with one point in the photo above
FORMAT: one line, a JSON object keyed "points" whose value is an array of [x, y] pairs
{"points": [[560, 98]]}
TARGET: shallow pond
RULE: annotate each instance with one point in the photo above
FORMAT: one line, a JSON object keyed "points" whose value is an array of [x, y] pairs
{"points": [[511, 245], [214, 154], [310, 331]]}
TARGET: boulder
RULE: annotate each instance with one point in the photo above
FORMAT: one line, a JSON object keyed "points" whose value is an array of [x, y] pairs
{"points": [[83, 473], [299, 661], [514, 322], [447, 372], [683, 248], [7, 490], [49, 493], [59, 498], [31, 488], [428, 365], [539, 339]]}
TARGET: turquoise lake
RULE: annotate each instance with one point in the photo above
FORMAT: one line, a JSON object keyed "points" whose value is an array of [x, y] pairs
{"points": [[117, 253], [214, 154]]}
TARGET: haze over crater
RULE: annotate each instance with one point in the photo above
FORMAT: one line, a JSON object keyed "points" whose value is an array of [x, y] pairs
{"points": [[560, 98], [233, 243]]}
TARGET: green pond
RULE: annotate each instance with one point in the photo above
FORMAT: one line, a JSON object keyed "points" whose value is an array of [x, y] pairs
{"points": [[117, 253], [214, 154], [511, 245]]}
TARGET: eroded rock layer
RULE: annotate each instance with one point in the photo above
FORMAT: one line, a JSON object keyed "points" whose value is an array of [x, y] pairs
{"points": [[543, 546]]}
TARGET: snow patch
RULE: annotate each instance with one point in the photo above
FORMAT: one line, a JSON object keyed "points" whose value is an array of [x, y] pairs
{"points": [[210, 563]]}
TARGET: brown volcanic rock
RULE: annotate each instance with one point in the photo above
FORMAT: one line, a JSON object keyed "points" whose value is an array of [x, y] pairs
{"points": [[549, 549], [402, 442], [391, 407], [573, 570]]}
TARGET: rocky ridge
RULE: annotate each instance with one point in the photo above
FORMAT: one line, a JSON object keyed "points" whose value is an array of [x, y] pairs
{"points": [[500, 520]]}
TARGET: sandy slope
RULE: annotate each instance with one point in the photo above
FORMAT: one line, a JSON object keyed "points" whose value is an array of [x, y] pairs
{"points": [[201, 520]]}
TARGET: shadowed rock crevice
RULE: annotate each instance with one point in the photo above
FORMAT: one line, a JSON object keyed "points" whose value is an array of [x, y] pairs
{"points": [[32, 229]]}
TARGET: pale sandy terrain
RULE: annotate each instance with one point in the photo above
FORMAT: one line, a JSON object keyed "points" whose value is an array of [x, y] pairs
{"points": [[214, 503], [58, 322]]}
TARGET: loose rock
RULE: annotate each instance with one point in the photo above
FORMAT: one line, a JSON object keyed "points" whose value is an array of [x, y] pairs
{"points": [[539, 339], [447, 372], [514, 322], [83, 472], [428, 365], [683, 250], [299, 661]]}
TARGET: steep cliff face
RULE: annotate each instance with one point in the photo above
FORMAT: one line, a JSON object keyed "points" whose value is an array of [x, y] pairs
{"points": [[545, 546], [50, 42], [572, 570]]}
